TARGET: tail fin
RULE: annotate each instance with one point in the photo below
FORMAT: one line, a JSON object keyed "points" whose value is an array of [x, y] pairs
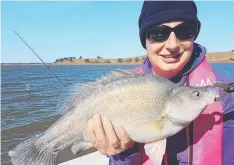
{"points": [[28, 153]]}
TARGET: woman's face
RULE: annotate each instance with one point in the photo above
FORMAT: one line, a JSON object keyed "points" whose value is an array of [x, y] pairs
{"points": [[170, 56]]}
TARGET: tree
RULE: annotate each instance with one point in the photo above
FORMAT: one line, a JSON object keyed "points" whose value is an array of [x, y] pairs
{"points": [[99, 57], [70, 59], [120, 60], [129, 60], [137, 59], [57, 60]]}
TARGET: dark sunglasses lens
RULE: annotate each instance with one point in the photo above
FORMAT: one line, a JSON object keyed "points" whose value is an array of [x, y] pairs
{"points": [[186, 31], [158, 33]]}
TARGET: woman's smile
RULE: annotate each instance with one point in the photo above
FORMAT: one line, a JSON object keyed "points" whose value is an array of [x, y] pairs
{"points": [[171, 58]]}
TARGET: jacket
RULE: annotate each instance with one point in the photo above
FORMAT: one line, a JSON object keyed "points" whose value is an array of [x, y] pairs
{"points": [[177, 148]]}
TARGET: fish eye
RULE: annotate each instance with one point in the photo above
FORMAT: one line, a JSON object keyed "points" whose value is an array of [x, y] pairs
{"points": [[196, 94]]}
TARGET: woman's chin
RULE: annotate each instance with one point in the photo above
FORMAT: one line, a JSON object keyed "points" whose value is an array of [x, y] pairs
{"points": [[171, 66], [170, 69]]}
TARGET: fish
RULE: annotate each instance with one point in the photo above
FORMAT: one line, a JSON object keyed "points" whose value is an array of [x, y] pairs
{"points": [[149, 107]]}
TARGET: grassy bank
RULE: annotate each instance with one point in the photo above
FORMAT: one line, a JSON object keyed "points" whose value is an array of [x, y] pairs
{"points": [[219, 57]]}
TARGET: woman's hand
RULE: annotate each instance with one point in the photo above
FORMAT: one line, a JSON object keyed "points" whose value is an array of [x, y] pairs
{"points": [[106, 138]]}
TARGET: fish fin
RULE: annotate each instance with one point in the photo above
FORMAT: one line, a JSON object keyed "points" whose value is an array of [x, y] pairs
{"points": [[28, 153], [67, 98], [72, 95], [156, 125], [116, 74], [122, 72], [80, 146], [155, 150]]}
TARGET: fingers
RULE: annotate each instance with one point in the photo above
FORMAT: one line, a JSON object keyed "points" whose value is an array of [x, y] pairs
{"points": [[90, 131], [99, 130], [110, 133], [126, 142], [106, 138], [96, 131]]}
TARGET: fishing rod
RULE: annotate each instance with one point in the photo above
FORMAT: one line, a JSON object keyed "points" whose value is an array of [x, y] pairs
{"points": [[39, 58]]}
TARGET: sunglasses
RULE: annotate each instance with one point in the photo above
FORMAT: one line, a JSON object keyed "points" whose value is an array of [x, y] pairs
{"points": [[183, 31]]}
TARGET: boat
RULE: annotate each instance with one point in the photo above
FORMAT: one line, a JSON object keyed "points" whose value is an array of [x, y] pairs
{"points": [[90, 159]]}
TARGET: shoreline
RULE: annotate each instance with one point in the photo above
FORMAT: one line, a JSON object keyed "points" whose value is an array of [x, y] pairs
{"points": [[67, 64], [77, 63], [218, 57]]}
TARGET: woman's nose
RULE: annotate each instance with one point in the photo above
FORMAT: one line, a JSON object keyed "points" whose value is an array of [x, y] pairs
{"points": [[172, 43]]}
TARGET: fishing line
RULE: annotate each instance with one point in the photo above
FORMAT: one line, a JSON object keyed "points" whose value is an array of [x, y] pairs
{"points": [[39, 58]]}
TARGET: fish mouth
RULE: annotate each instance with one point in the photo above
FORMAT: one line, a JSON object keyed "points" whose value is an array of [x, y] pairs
{"points": [[177, 121], [212, 96]]}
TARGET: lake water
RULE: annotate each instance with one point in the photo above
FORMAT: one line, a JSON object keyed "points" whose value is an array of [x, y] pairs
{"points": [[25, 114]]}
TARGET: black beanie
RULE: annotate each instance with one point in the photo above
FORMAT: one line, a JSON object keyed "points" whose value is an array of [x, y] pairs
{"points": [[157, 12]]}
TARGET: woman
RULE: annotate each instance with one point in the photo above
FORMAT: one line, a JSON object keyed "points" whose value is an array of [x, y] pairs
{"points": [[167, 31]]}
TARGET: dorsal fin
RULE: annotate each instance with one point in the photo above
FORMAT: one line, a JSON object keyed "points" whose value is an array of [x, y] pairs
{"points": [[67, 98], [115, 75], [78, 92]]}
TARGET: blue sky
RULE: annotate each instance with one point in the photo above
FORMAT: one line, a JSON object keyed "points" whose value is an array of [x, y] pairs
{"points": [[89, 29]]}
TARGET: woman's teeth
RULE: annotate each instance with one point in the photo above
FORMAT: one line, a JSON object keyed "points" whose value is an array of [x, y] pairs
{"points": [[172, 56]]}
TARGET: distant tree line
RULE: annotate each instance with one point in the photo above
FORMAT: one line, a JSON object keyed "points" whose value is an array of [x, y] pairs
{"points": [[102, 60], [99, 57], [65, 59], [129, 60], [119, 60]]}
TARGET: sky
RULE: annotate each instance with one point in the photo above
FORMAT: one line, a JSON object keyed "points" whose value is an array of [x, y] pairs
{"points": [[89, 29]]}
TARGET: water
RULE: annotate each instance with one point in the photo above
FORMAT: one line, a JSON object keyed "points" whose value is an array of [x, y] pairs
{"points": [[25, 114]]}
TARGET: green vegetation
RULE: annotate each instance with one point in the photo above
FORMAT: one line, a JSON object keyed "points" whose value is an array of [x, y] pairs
{"points": [[137, 59], [87, 60], [65, 59]]}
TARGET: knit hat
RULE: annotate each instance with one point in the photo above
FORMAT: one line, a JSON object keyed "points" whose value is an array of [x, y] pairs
{"points": [[157, 12]]}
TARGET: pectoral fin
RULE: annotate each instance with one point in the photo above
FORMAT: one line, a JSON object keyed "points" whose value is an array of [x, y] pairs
{"points": [[80, 146], [156, 126], [155, 150]]}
